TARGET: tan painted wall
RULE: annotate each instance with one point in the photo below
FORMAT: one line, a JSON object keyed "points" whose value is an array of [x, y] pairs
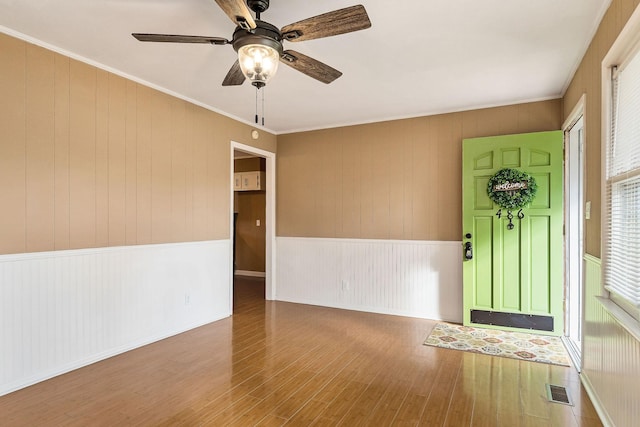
{"points": [[587, 80], [391, 180], [89, 159]]}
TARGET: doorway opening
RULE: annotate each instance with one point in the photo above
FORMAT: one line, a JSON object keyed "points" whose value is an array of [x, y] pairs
{"points": [[252, 219], [249, 207], [575, 214]]}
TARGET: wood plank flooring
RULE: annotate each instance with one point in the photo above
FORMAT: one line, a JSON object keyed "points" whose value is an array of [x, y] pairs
{"points": [[276, 363]]}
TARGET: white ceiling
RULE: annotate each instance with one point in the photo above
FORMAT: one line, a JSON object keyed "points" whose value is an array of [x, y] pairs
{"points": [[419, 57]]}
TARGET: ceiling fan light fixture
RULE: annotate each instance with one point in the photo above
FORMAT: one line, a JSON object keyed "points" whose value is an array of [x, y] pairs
{"points": [[258, 62], [259, 43]]}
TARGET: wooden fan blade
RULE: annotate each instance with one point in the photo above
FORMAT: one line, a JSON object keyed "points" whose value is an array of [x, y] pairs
{"points": [[234, 77], [175, 38], [238, 12], [339, 21], [309, 66]]}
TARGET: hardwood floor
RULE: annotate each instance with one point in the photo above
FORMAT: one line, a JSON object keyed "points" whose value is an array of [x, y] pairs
{"points": [[276, 363]]}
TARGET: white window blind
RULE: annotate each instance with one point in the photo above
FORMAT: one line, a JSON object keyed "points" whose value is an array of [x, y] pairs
{"points": [[622, 238]]}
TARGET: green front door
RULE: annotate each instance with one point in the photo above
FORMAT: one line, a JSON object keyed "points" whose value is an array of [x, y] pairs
{"points": [[514, 278]]}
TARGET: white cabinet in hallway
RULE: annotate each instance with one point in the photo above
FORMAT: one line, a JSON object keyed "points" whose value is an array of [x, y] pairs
{"points": [[248, 181]]}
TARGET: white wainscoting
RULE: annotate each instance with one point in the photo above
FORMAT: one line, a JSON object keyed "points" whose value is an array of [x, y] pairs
{"points": [[408, 278], [66, 309], [611, 356]]}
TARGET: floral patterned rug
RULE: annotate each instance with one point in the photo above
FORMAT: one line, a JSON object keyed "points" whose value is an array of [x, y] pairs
{"points": [[516, 345]]}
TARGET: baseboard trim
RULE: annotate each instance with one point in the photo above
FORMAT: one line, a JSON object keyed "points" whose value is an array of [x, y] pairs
{"points": [[453, 318], [573, 353], [593, 396], [249, 273]]}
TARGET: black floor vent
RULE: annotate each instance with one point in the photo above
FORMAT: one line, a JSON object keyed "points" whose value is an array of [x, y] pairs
{"points": [[558, 394]]}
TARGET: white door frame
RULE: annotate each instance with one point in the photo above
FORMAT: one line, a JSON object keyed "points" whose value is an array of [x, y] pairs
{"points": [[270, 217], [574, 262]]}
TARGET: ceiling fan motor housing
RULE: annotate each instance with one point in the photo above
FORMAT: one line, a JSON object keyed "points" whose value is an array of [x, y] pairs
{"points": [[258, 6], [264, 34]]}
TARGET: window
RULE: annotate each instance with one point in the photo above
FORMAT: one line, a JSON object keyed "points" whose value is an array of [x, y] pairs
{"points": [[622, 235]]}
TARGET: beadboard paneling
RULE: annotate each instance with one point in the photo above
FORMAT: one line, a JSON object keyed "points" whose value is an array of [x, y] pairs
{"points": [[66, 309], [610, 358], [409, 278]]}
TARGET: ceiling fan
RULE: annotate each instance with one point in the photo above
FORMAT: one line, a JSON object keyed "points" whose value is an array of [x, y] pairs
{"points": [[259, 43]]}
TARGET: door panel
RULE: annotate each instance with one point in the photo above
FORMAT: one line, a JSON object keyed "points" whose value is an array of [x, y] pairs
{"points": [[483, 272], [518, 271]]}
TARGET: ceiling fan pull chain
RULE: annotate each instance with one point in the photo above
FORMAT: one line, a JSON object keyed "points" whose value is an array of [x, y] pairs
{"points": [[256, 105], [263, 89]]}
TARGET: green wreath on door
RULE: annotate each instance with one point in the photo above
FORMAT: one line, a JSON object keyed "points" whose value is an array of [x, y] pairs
{"points": [[511, 189]]}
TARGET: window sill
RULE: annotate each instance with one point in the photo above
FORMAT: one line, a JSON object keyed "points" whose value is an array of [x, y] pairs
{"points": [[630, 324]]}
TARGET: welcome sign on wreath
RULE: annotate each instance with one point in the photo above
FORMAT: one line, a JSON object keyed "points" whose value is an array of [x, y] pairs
{"points": [[511, 189]]}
